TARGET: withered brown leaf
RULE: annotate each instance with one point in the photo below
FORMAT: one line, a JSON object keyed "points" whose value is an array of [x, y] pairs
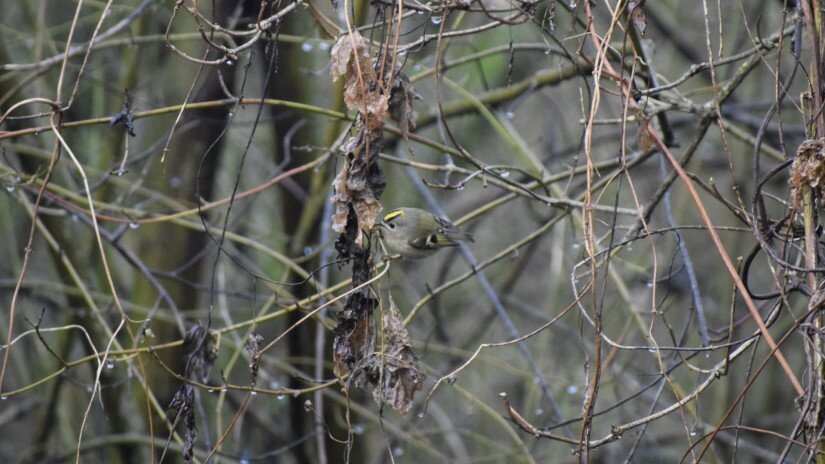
{"points": [[362, 91], [402, 94], [401, 374], [808, 170]]}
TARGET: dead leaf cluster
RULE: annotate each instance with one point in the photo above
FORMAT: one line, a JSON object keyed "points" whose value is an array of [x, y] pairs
{"points": [[400, 373], [808, 171], [402, 95], [183, 403], [201, 351], [396, 373], [360, 183]]}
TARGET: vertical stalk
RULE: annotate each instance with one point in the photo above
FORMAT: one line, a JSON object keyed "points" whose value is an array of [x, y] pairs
{"points": [[814, 21], [810, 261]]}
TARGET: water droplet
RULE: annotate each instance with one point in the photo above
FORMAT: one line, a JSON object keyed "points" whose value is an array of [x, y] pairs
{"points": [[505, 173], [231, 114], [230, 63], [323, 46], [419, 12], [281, 396], [693, 432], [573, 4], [10, 188], [210, 391], [274, 385], [651, 350], [509, 114], [244, 461], [575, 246], [649, 284], [572, 389], [420, 414], [223, 390], [110, 364], [134, 225], [253, 393], [436, 20], [539, 411], [358, 429], [75, 218], [402, 53], [307, 46], [4, 397], [398, 451], [89, 389], [547, 52], [307, 250]]}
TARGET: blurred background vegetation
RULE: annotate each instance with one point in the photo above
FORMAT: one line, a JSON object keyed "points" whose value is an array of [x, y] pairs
{"points": [[169, 282]]}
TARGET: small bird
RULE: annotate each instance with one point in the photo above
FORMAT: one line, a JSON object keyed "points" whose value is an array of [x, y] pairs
{"points": [[414, 233]]}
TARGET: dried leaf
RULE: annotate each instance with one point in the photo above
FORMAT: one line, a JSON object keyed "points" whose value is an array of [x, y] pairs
{"points": [[253, 344], [201, 350], [401, 374], [402, 94], [343, 51], [341, 199], [808, 171], [643, 139], [184, 404], [362, 91]]}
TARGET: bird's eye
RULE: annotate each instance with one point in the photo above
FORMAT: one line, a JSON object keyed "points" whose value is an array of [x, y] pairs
{"points": [[391, 225]]}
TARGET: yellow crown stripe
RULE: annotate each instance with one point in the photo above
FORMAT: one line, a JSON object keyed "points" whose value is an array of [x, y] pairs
{"points": [[393, 214]]}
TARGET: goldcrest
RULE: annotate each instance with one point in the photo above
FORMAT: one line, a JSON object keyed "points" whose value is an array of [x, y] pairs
{"points": [[415, 233]]}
